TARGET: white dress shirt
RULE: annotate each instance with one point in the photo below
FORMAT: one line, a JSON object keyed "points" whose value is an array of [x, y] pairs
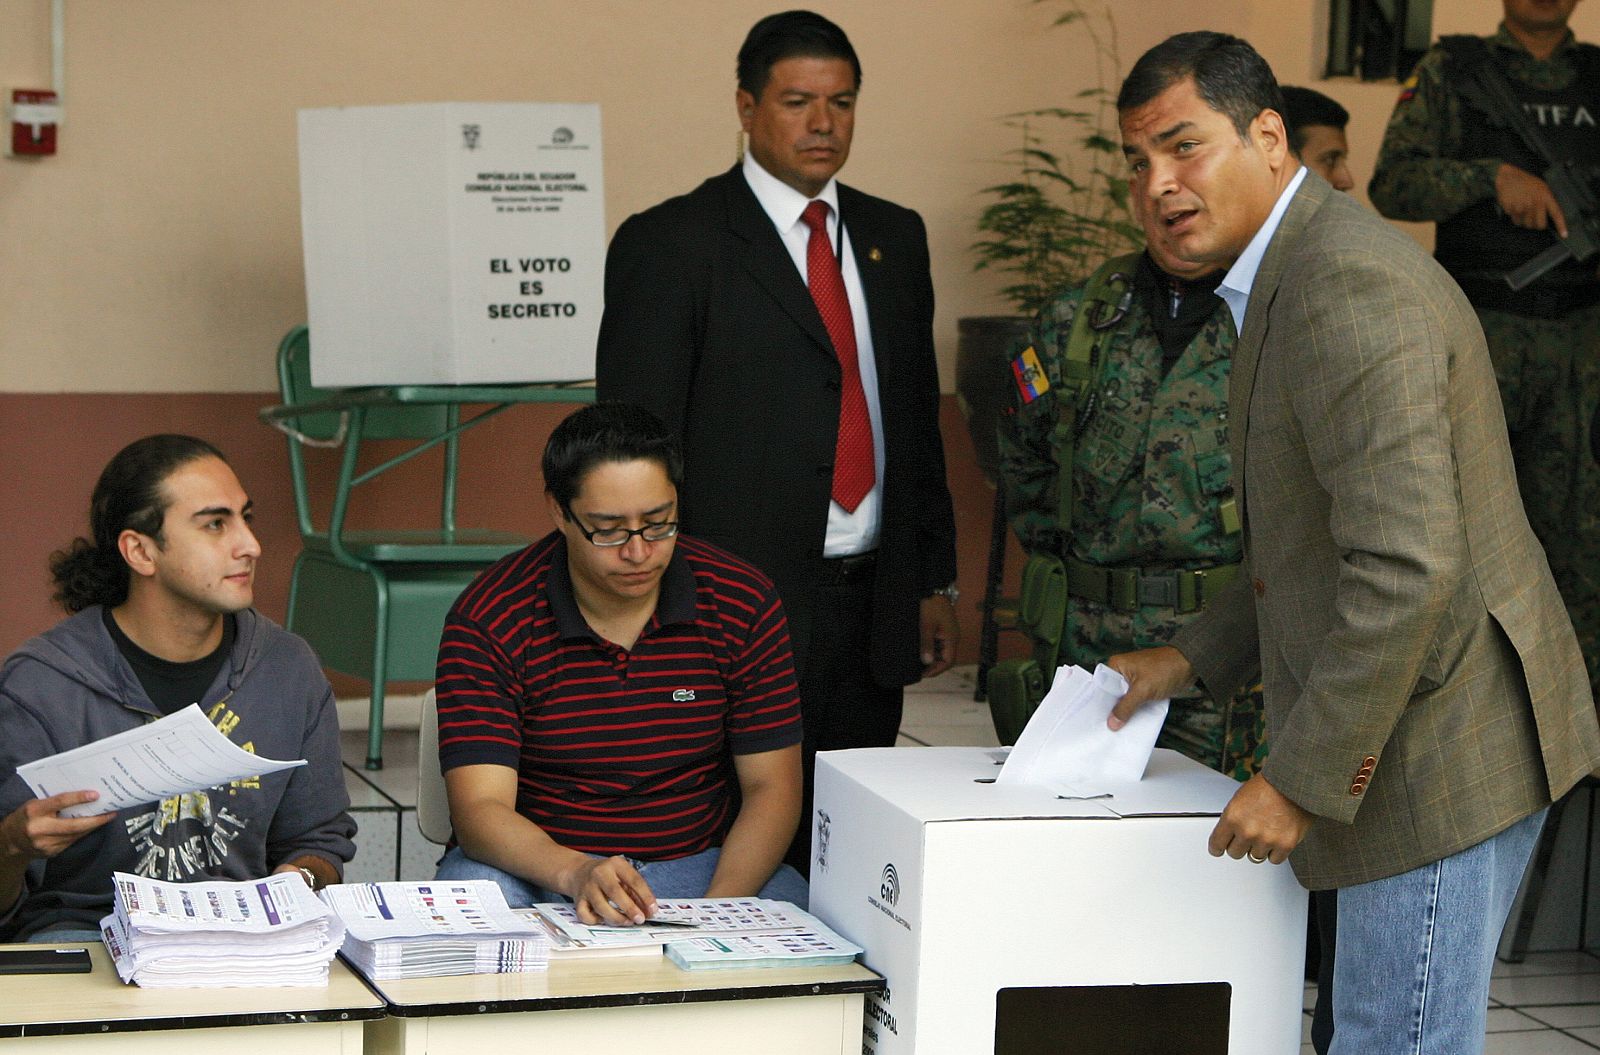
{"points": [[1241, 277], [848, 532]]}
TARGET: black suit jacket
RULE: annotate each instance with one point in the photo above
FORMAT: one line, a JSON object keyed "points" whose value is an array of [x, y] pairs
{"points": [[709, 324]]}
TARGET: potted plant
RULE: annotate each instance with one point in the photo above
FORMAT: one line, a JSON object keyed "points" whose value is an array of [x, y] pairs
{"points": [[1046, 228]]}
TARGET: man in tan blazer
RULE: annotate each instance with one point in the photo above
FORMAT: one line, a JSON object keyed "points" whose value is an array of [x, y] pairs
{"points": [[1426, 699]]}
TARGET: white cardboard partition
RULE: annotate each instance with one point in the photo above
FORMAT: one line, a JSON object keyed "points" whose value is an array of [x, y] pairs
{"points": [[959, 889], [452, 243]]}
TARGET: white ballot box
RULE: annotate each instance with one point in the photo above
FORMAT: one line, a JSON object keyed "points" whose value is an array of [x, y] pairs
{"points": [[1013, 920], [452, 243]]}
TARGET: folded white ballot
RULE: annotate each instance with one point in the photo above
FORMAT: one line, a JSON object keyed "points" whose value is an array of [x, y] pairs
{"points": [[1067, 741]]}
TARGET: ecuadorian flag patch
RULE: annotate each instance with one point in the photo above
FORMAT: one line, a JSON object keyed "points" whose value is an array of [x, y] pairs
{"points": [[1408, 89], [1031, 381]]}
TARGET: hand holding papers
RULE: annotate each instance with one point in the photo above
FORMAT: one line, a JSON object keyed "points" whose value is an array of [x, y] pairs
{"points": [[1067, 741], [180, 753]]}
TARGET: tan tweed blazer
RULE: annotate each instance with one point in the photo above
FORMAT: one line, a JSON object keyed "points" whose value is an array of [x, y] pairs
{"points": [[1424, 688]]}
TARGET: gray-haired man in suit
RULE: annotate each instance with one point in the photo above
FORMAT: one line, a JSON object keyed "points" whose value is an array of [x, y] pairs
{"points": [[1426, 699]]}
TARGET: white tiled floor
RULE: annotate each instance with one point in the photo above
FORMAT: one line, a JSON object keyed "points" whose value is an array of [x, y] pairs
{"points": [[1549, 1005]]}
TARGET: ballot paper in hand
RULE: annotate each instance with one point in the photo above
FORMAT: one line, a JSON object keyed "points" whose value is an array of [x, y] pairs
{"points": [[1067, 741], [180, 753]]}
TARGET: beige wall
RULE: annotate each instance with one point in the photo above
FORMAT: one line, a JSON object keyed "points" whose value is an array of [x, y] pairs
{"points": [[161, 252]]}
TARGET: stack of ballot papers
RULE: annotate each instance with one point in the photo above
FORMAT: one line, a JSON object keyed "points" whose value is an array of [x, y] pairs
{"points": [[429, 929], [262, 932], [701, 933]]}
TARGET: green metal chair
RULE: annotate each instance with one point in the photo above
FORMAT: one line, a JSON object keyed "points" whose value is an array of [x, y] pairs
{"points": [[373, 603]]}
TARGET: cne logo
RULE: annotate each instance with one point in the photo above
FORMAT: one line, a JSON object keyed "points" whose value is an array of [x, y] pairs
{"points": [[824, 831], [683, 696], [889, 889]]}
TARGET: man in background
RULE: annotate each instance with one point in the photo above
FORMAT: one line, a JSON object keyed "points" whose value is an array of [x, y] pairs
{"points": [[781, 324], [1129, 508], [1449, 156], [161, 593], [1316, 127]]}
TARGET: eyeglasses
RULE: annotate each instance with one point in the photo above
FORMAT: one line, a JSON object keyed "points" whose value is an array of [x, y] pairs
{"points": [[608, 538]]}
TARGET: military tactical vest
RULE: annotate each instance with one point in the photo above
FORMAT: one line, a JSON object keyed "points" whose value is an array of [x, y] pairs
{"points": [[1145, 510], [1151, 470], [1479, 242]]}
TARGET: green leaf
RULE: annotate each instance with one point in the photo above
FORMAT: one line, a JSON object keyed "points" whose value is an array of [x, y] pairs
{"points": [[1066, 208]]}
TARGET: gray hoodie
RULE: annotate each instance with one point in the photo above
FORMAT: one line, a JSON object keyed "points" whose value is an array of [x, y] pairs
{"points": [[70, 686]]}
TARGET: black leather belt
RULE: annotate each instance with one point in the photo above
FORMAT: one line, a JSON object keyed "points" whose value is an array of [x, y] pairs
{"points": [[849, 571]]}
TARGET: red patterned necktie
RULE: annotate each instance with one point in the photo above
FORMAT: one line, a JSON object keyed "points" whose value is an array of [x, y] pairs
{"points": [[853, 471]]}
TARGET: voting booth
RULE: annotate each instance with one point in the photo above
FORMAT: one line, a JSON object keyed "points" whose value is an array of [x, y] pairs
{"points": [[452, 243], [1023, 919]]}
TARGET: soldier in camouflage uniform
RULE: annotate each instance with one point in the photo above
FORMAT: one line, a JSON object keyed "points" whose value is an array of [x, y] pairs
{"points": [[1153, 504], [1445, 160]]}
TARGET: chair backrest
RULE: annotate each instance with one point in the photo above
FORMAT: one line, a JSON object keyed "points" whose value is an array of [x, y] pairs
{"points": [[433, 807], [383, 423], [328, 429]]}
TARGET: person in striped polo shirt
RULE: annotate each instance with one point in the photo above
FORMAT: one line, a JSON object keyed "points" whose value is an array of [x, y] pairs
{"points": [[619, 717]]}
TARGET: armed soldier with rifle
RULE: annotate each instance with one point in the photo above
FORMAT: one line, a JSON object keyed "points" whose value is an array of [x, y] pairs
{"points": [[1497, 140]]}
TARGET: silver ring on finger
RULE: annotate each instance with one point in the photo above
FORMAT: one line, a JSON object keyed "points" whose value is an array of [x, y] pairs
{"points": [[1254, 859]]}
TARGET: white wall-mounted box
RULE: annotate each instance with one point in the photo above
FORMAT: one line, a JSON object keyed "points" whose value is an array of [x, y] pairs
{"points": [[970, 896], [452, 243]]}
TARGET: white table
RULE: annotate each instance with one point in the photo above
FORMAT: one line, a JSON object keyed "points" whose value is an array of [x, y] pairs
{"points": [[628, 1004], [96, 1014]]}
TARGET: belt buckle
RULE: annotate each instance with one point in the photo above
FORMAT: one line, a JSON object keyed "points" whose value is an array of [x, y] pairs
{"points": [[1159, 589]]}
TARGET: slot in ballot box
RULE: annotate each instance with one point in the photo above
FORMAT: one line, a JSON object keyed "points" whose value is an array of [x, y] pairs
{"points": [[1013, 920]]}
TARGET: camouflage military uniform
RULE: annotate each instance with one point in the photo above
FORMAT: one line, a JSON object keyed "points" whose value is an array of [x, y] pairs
{"points": [[1150, 476], [1547, 367]]}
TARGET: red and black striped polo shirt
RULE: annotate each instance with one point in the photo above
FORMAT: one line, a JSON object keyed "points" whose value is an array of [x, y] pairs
{"points": [[618, 751]]}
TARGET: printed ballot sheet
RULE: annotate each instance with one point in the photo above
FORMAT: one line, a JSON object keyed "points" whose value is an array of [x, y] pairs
{"points": [[1066, 742], [425, 929], [180, 753], [466, 909], [709, 933], [277, 902], [676, 919]]}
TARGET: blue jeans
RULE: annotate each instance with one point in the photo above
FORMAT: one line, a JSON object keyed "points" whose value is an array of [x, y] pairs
{"points": [[681, 877], [1414, 951]]}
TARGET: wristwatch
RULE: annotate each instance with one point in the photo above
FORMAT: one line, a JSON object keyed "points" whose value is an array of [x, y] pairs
{"points": [[311, 877], [950, 593]]}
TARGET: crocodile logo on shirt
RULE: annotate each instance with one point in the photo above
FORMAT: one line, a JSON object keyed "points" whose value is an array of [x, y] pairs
{"points": [[683, 696]]}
